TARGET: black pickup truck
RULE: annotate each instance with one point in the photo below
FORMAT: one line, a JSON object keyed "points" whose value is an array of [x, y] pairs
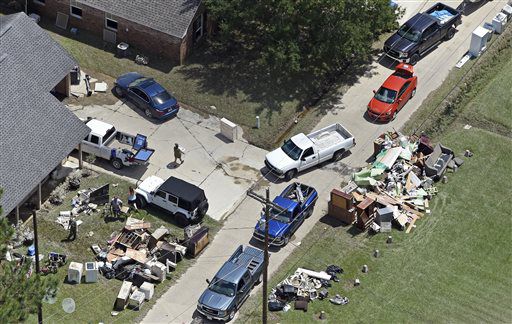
{"points": [[422, 32]]}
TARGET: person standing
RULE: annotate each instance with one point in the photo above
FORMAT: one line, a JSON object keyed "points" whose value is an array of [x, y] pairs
{"points": [[132, 198], [115, 206], [178, 152], [72, 229]]}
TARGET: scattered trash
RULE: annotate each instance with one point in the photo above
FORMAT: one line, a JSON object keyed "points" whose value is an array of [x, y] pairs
{"points": [[303, 287], [467, 126], [468, 153], [339, 300]]}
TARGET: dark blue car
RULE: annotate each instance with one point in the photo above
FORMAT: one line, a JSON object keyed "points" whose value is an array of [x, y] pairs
{"points": [[147, 94], [291, 208]]}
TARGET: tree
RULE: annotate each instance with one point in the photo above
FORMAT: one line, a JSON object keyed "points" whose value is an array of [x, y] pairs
{"points": [[20, 294], [303, 35]]}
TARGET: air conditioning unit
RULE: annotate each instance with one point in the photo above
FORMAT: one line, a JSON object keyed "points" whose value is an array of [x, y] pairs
{"points": [[479, 39], [499, 21]]}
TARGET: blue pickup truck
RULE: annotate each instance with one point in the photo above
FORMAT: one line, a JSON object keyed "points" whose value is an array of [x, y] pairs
{"points": [[289, 211], [232, 284]]}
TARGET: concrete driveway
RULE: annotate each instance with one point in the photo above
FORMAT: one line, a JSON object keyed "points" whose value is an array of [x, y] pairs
{"points": [[177, 305], [225, 170]]}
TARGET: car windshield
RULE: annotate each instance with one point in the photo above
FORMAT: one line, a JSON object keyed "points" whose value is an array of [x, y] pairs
{"points": [[222, 287], [292, 150], [162, 97], [385, 95], [138, 81], [409, 34], [283, 217]]}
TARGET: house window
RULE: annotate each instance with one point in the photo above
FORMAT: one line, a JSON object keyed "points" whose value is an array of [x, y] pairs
{"points": [[110, 23], [75, 9], [197, 27], [41, 2]]}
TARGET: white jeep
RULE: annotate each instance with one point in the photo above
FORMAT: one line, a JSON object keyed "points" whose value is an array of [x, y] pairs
{"points": [[184, 200]]}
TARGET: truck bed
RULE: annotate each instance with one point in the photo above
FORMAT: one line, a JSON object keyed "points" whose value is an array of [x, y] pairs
{"points": [[291, 193], [329, 136], [442, 13]]}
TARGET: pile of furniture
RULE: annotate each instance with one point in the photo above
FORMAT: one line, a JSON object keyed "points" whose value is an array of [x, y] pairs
{"points": [[397, 186]]}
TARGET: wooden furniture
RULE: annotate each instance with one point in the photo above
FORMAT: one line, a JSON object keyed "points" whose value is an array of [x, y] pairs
{"points": [[341, 206], [365, 213]]}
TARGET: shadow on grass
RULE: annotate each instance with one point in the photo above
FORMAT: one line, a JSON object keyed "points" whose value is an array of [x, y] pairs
{"points": [[83, 36]]}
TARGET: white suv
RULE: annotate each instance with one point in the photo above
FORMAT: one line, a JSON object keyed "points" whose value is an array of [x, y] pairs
{"points": [[186, 201]]}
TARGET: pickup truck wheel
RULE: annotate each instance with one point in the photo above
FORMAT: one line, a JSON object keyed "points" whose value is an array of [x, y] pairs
{"points": [[117, 163], [119, 92], [148, 113], [259, 280], [286, 240], [414, 59], [450, 33], [337, 155], [309, 212], [290, 175], [231, 315], [394, 116], [413, 93], [141, 201], [181, 219]]}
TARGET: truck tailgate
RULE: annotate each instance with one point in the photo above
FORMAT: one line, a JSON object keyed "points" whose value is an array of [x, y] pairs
{"points": [[143, 155]]}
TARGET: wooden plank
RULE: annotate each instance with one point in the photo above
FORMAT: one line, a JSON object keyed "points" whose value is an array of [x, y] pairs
{"points": [[409, 228], [139, 256], [135, 226]]}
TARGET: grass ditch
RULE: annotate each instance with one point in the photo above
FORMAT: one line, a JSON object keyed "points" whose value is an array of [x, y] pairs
{"points": [[444, 105]]}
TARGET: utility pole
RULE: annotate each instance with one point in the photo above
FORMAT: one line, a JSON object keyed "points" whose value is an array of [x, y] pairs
{"points": [[268, 205], [265, 258], [36, 245]]}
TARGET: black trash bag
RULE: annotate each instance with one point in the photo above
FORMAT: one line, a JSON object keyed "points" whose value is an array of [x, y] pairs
{"points": [[333, 269], [275, 305]]}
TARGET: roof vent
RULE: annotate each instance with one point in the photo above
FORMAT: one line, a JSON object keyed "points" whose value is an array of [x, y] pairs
{"points": [[4, 29]]}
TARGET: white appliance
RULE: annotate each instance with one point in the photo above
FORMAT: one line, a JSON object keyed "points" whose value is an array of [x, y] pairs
{"points": [[498, 22], [91, 272], [478, 41], [507, 10], [75, 272]]}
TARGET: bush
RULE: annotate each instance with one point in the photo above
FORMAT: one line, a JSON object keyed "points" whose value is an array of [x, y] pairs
{"points": [[58, 194]]}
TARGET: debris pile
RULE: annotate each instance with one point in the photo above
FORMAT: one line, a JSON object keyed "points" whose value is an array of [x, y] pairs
{"points": [[305, 286], [397, 187], [143, 257]]}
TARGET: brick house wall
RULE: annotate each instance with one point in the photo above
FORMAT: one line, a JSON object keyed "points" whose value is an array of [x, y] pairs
{"points": [[138, 36]]}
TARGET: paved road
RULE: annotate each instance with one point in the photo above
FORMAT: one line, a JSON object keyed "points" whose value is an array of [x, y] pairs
{"points": [[177, 305], [431, 71]]}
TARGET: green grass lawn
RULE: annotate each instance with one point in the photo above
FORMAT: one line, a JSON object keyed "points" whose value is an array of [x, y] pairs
{"points": [[456, 265], [94, 301]]}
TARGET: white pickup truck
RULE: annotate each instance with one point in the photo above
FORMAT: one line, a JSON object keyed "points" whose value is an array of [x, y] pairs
{"points": [[121, 149], [305, 151]]}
